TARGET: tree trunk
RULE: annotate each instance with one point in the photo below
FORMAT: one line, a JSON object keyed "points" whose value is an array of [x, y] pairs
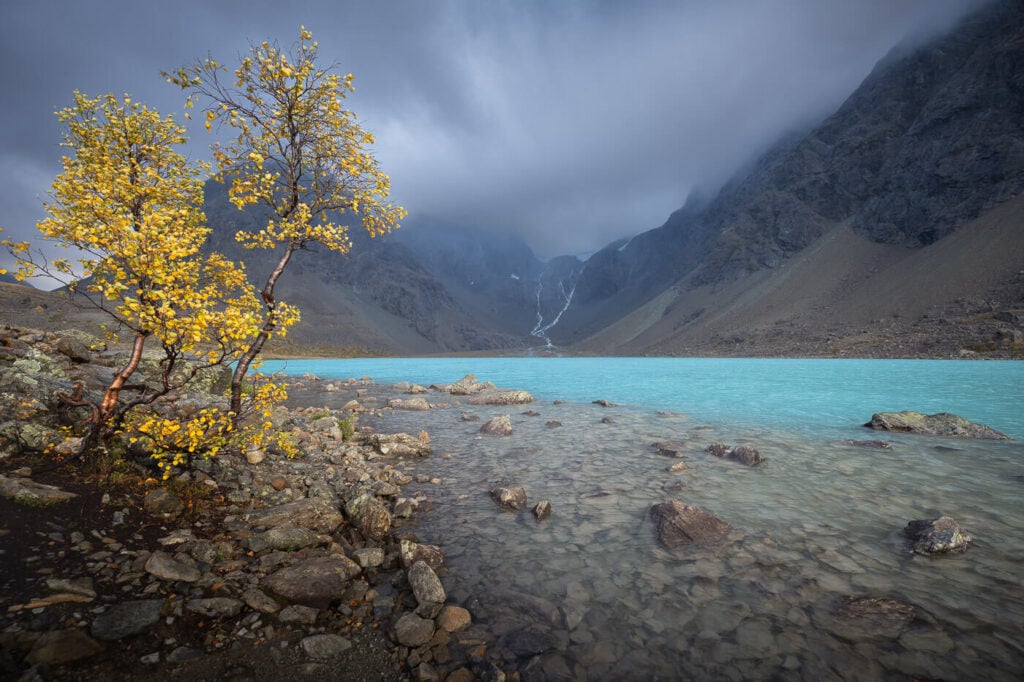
{"points": [[108, 408], [242, 368]]}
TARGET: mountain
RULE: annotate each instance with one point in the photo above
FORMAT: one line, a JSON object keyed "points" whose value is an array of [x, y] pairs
{"points": [[932, 143], [893, 227]]}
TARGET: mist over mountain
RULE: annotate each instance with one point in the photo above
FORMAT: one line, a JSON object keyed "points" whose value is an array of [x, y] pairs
{"points": [[838, 239]]}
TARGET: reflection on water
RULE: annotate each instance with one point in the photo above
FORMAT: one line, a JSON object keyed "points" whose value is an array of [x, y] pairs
{"points": [[589, 594]]}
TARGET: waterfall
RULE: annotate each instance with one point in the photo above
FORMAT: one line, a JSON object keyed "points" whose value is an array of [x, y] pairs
{"points": [[540, 329]]}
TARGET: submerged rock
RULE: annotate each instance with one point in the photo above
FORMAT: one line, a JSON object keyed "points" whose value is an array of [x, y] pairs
{"points": [[743, 454], [941, 424], [682, 524], [415, 404], [937, 536], [869, 617], [869, 444]]}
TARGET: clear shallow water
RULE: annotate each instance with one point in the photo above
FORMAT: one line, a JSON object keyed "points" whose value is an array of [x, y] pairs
{"points": [[819, 522]]}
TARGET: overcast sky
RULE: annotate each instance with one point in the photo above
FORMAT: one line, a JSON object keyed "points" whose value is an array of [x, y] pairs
{"points": [[570, 122]]}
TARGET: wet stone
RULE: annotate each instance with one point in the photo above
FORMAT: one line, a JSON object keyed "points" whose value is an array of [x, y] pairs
{"points": [[509, 497], [426, 586], [498, 426], [453, 618], [937, 536]]}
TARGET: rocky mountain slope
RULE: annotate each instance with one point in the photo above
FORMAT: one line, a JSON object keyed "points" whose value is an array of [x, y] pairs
{"points": [[930, 144]]}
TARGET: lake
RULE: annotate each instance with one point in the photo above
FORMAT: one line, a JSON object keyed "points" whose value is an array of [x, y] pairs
{"points": [[590, 594]]}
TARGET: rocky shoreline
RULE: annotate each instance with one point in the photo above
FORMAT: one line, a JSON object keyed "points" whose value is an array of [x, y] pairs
{"points": [[254, 567], [240, 567]]}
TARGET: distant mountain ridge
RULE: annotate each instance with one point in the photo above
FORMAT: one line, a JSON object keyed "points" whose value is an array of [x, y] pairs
{"points": [[930, 144]]}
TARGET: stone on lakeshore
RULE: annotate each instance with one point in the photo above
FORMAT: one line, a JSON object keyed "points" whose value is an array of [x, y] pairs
{"points": [[405, 506], [467, 417], [399, 445], [605, 403], [413, 631], [411, 552], [509, 497], [369, 557], [425, 584], [258, 600], [542, 510], [162, 504], [498, 426], [82, 586], [284, 538], [215, 607], [29, 492], [254, 455], [165, 567], [552, 423], [325, 647], [370, 516], [316, 513], [453, 618], [467, 385], [314, 582], [126, 619], [937, 536], [941, 424], [501, 397], [607, 420], [681, 524], [677, 467], [297, 614], [59, 647], [717, 449], [414, 404], [416, 389]]}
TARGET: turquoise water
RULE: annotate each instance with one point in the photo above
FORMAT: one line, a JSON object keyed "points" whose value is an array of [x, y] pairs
{"points": [[816, 395], [595, 596]]}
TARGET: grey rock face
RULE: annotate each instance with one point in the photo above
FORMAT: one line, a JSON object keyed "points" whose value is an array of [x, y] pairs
{"points": [[127, 619], [681, 524], [941, 424], [937, 536]]}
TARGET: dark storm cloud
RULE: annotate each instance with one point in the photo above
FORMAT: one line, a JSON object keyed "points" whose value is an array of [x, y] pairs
{"points": [[572, 123]]}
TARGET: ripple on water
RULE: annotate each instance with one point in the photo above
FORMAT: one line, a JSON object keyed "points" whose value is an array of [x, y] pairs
{"points": [[820, 521]]}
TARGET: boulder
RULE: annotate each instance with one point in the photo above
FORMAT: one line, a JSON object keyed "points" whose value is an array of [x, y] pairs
{"points": [[413, 631], [160, 503], [29, 492], [453, 618], [498, 426], [415, 404], [542, 510], [604, 403], [425, 584], [400, 445], [59, 647], [316, 513], [501, 397], [940, 424], [166, 567], [937, 536], [314, 582], [509, 497], [370, 516], [411, 552], [681, 524], [285, 538]]}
